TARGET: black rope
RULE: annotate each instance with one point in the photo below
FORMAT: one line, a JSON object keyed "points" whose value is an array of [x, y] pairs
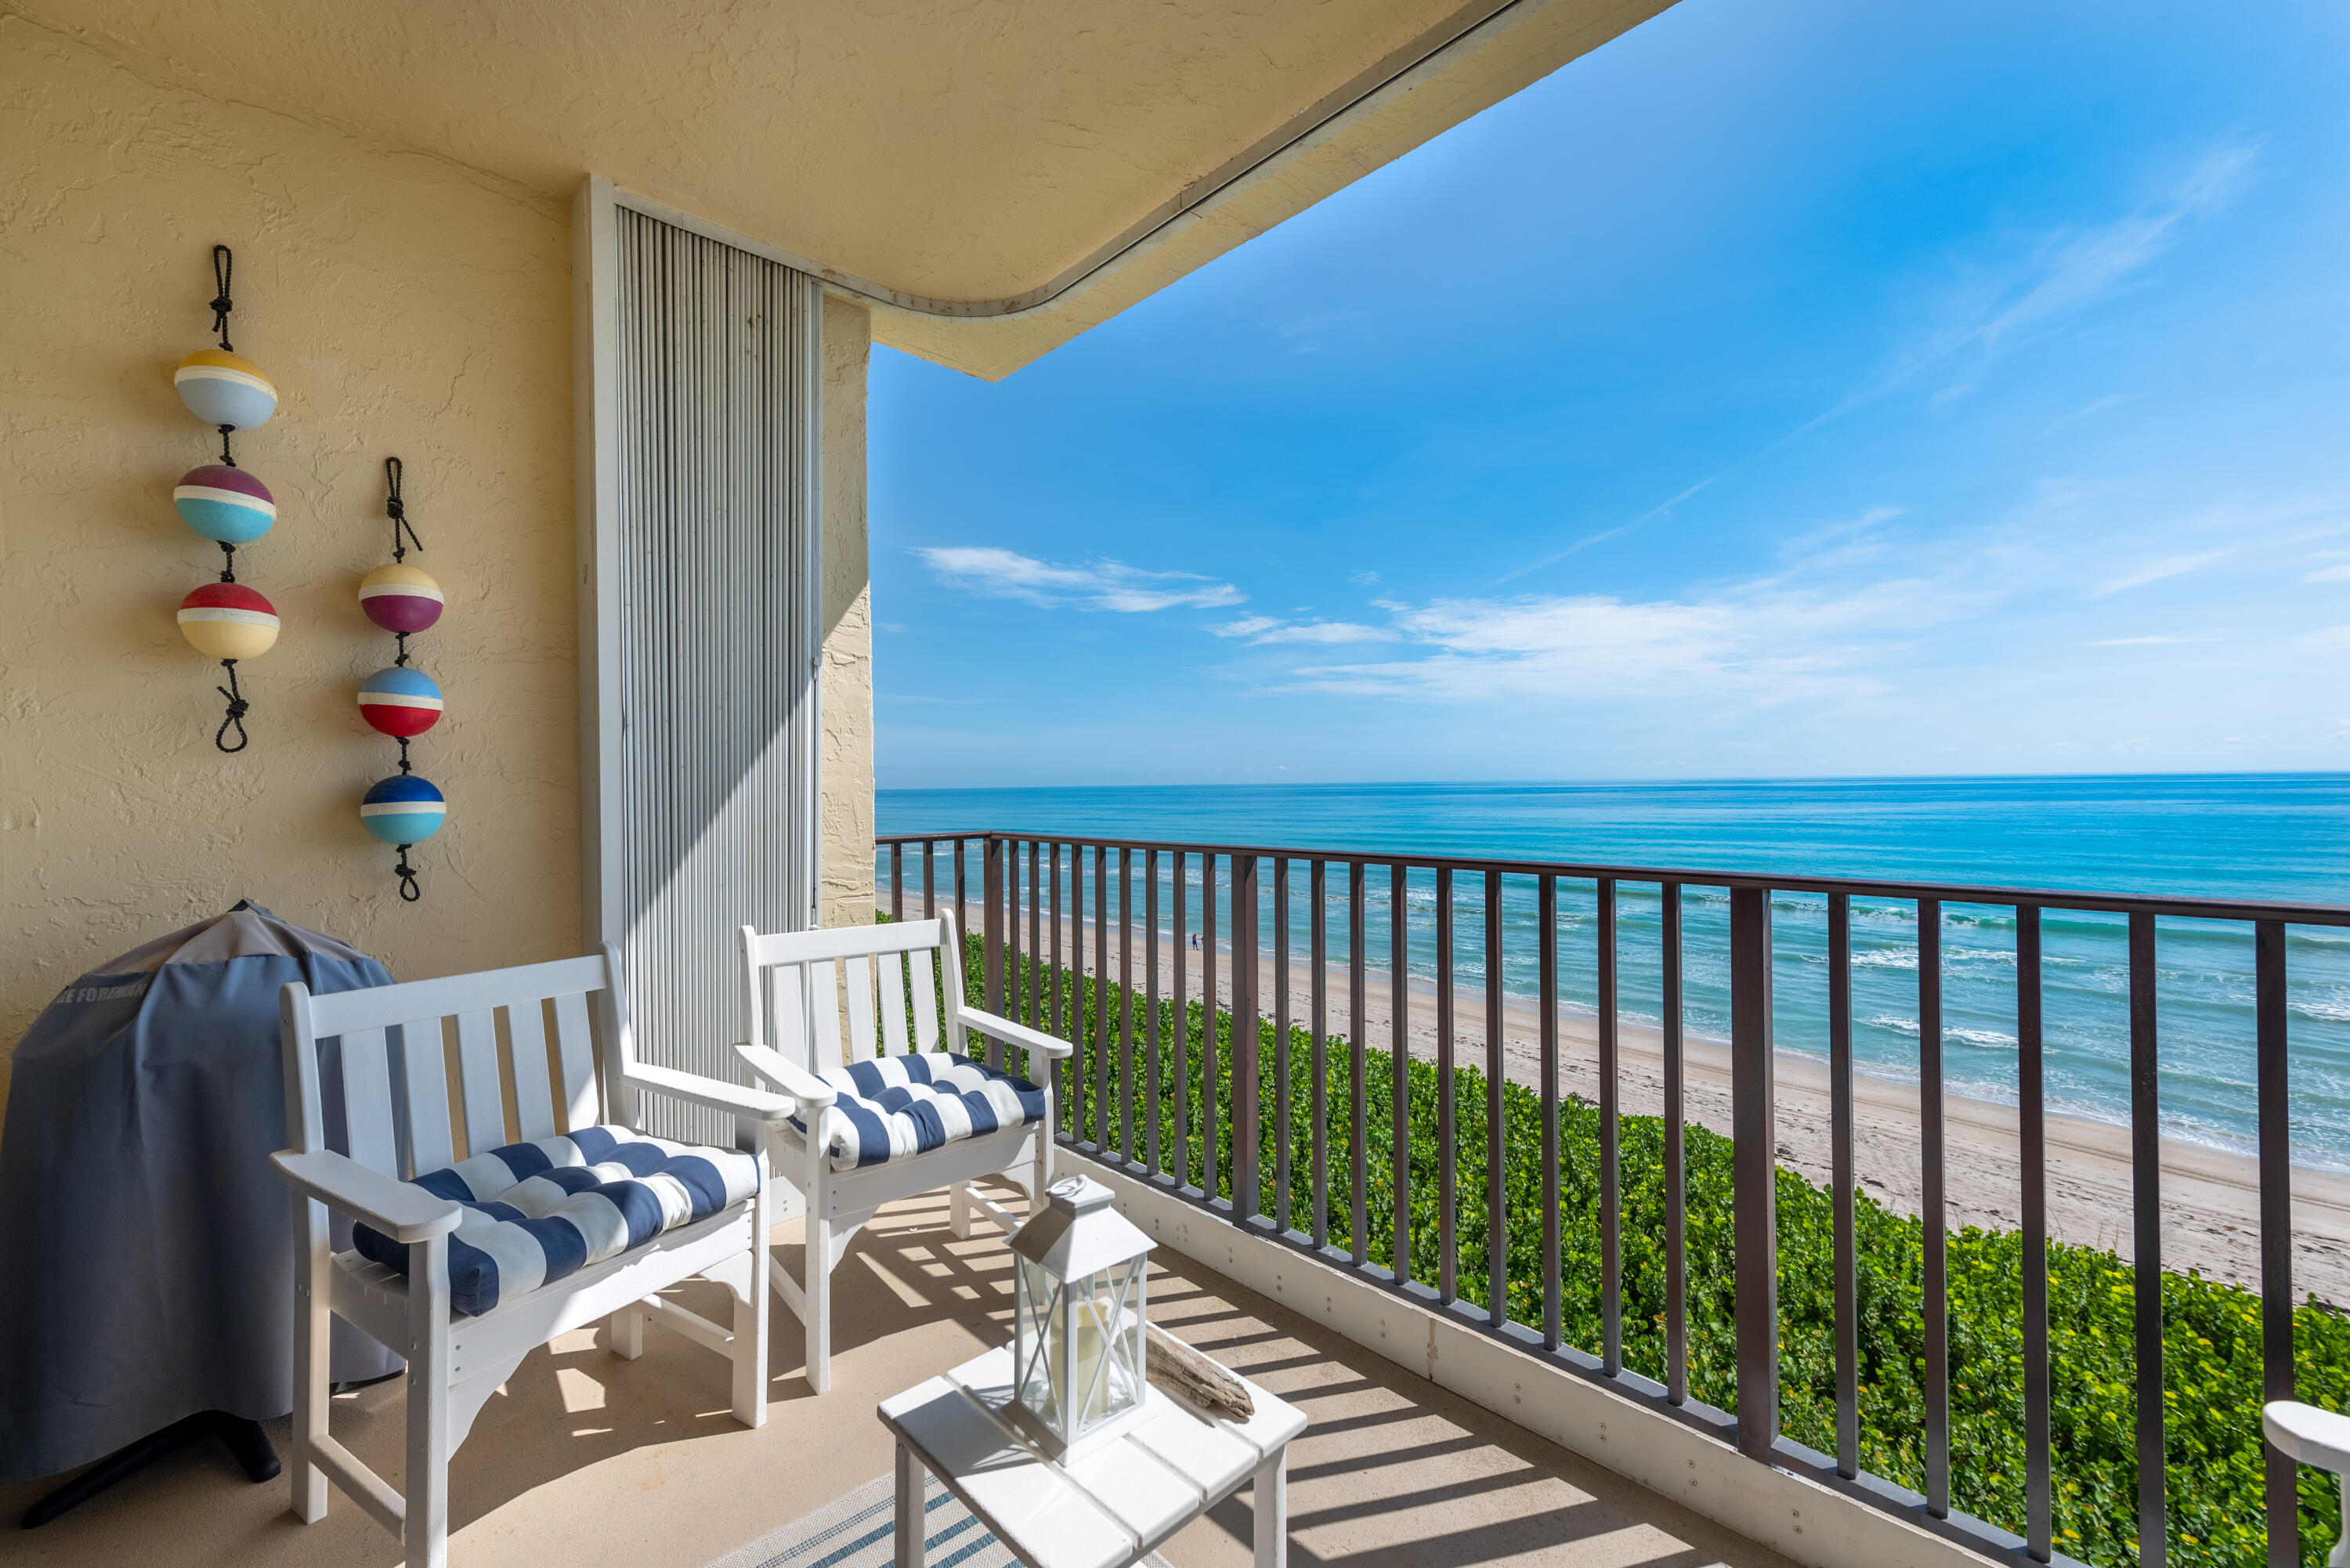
{"points": [[403, 639], [228, 562], [227, 456], [403, 755], [223, 264], [409, 890], [397, 511], [237, 709]]}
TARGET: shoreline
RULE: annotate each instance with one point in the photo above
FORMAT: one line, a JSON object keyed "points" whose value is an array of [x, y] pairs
{"points": [[2210, 1197]]}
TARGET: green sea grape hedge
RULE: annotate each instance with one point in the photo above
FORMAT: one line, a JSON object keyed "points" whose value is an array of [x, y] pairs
{"points": [[2211, 1331]]}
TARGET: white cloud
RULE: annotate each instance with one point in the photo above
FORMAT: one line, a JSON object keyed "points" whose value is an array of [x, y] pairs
{"points": [[2156, 638], [1259, 631], [1755, 646], [2340, 574], [1362, 580], [1094, 585], [2156, 570]]}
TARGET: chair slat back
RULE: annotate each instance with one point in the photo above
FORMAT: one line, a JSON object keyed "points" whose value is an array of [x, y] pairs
{"points": [[823, 998], [435, 1071]]}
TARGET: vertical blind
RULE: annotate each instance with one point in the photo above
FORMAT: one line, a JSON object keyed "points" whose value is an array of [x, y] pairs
{"points": [[716, 380]]}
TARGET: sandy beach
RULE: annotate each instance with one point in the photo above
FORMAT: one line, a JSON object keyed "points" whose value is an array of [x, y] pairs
{"points": [[2210, 1197]]}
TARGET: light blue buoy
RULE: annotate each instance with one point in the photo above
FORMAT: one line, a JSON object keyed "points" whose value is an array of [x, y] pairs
{"points": [[224, 388], [403, 809]]}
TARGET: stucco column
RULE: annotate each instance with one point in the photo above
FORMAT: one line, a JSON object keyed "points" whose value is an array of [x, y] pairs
{"points": [[846, 690]]}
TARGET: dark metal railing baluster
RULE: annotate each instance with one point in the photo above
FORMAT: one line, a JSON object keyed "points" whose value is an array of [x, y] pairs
{"points": [[1124, 1003], [1669, 912], [1317, 941], [992, 925], [1035, 1019], [1448, 1151], [1399, 1075], [1847, 1267], [1357, 1059], [962, 910], [1053, 901], [1101, 997], [1212, 1181], [1611, 1191], [2145, 1202], [1754, 1180], [1150, 1013], [1246, 1177], [1078, 1035], [1181, 1166], [2031, 1083], [1932, 1210], [896, 881], [1281, 1042], [1497, 1253], [1546, 985], [2270, 1036], [929, 881], [1011, 968]]}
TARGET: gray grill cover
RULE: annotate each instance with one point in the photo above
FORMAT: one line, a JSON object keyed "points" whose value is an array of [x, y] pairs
{"points": [[146, 1248]]}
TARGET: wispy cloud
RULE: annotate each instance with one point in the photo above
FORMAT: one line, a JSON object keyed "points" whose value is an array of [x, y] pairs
{"points": [[1752, 646], [1093, 586], [2155, 638], [2340, 574], [1262, 630], [2156, 570]]}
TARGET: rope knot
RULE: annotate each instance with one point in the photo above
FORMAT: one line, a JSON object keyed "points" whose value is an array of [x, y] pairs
{"points": [[223, 267], [237, 709], [397, 510]]}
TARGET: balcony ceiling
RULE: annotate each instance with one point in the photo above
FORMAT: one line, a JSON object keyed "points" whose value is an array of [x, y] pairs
{"points": [[1015, 158]]}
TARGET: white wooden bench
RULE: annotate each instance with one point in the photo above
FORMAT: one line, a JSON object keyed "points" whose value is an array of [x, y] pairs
{"points": [[402, 1122], [903, 989]]}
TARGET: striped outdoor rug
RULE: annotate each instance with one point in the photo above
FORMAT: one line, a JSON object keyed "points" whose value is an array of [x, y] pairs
{"points": [[860, 1531]]}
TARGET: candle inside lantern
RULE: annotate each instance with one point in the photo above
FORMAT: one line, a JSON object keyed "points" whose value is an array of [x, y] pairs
{"points": [[1091, 1357]]}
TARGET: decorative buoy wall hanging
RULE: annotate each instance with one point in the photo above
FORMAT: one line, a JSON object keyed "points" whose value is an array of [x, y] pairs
{"points": [[402, 700], [226, 621]]}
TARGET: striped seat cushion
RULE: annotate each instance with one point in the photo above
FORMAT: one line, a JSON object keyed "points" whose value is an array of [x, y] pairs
{"points": [[537, 1211], [899, 1106]]}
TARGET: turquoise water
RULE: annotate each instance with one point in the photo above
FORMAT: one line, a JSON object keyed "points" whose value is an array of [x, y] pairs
{"points": [[2283, 839]]}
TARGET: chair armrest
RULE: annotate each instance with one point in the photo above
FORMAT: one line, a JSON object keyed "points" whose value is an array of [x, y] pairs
{"points": [[2308, 1434], [401, 1211], [812, 1092], [733, 1100], [1012, 1034]]}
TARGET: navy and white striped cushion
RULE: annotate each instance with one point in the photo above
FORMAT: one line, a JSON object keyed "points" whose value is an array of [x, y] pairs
{"points": [[897, 1106], [536, 1211]]}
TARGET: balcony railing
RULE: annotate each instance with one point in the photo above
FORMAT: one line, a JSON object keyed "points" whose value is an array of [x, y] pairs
{"points": [[1041, 965]]}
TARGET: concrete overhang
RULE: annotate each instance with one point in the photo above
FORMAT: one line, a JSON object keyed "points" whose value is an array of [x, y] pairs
{"points": [[993, 177]]}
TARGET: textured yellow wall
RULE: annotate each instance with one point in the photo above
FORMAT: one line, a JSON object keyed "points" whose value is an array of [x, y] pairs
{"points": [[845, 696], [404, 305]]}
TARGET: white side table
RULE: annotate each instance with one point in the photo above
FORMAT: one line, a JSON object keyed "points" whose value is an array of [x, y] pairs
{"points": [[1116, 1503]]}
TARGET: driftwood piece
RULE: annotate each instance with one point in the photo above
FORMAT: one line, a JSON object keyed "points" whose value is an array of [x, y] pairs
{"points": [[1183, 1371]]}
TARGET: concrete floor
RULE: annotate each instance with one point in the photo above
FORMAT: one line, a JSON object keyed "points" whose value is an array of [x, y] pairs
{"points": [[587, 1460]]}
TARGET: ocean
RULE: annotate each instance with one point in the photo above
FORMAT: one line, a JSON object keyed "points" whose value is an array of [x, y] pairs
{"points": [[2280, 837]]}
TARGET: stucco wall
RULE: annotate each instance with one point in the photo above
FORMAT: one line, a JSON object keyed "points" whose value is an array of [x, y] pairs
{"points": [[404, 305], [845, 698]]}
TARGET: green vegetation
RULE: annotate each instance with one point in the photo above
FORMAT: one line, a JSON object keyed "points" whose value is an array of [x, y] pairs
{"points": [[2212, 1330]]}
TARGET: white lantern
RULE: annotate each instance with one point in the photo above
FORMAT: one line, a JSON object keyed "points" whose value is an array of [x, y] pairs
{"points": [[1077, 1315]]}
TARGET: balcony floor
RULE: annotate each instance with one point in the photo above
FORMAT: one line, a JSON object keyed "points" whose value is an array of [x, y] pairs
{"points": [[587, 1459]]}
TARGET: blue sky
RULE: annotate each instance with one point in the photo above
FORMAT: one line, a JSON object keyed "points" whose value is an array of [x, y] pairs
{"points": [[1786, 388]]}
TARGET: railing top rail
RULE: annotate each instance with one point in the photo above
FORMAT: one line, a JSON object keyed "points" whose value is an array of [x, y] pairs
{"points": [[2175, 907]]}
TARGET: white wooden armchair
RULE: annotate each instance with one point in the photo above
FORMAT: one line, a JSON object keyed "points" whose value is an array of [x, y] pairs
{"points": [[444, 1273], [891, 1118]]}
